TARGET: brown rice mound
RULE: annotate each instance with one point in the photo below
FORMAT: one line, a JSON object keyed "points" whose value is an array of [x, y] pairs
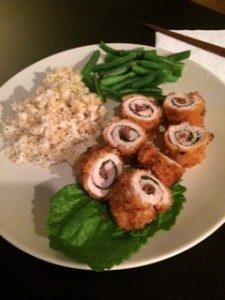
{"points": [[45, 128]]}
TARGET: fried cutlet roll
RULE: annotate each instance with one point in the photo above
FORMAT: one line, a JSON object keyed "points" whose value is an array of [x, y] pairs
{"points": [[143, 110], [125, 135], [186, 144], [165, 169], [97, 168], [181, 107], [136, 198]]}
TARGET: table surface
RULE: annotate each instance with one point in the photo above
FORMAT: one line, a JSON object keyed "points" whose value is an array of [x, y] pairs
{"points": [[31, 30]]}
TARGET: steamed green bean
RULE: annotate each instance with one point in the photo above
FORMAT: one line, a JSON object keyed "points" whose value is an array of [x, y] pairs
{"points": [[112, 80], [115, 63], [137, 70], [91, 63]]}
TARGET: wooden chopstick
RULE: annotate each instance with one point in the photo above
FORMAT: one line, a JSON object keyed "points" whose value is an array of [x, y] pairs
{"points": [[195, 42]]}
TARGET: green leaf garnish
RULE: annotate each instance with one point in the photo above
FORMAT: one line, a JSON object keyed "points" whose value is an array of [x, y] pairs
{"points": [[84, 230]]}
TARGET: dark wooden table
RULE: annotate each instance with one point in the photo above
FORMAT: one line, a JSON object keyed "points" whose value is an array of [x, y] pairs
{"points": [[31, 30]]}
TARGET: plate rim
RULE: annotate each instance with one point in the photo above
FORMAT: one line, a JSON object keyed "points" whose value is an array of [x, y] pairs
{"points": [[126, 264]]}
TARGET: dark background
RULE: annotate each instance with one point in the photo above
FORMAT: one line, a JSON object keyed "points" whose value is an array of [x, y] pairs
{"points": [[31, 30]]}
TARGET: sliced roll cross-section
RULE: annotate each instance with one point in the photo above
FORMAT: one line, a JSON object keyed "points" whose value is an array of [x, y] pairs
{"points": [[143, 110], [137, 198], [181, 107], [165, 169], [125, 135], [186, 143], [97, 168]]}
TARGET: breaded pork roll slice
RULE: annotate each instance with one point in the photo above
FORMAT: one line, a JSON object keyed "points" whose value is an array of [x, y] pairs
{"points": [[125, 135], [97, 168], [137, 198], [143, 110], [186, 143], [181, 107], [165, 169]]}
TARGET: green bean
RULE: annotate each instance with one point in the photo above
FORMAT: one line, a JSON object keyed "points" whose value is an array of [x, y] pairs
{"points": [[90, 82], [110, 50], [99, 90], [146, 80], [172, 78], [122, 52], [153, 51], [91, 63], [179, 56], [175, 67], [110, 57], [125, 83], [152, 92], [111, 93], [116, 62], [161, 77], [120, 70], [147, 91], [140, 70], [139, 53], [93, 84], [113, 80], [161, 59], [151, 64], [131, 71]]}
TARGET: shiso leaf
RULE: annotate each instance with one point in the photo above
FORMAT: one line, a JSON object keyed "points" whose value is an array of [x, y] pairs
{"points": [[84, 230]]}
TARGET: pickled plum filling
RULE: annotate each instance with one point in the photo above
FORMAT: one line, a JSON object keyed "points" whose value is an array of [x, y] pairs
{"points": [[182, 101], [103, 171], [107, 173], [184, 136], [148, 188], [128, 134], [187, 137], [147, 185], [141, 108]]}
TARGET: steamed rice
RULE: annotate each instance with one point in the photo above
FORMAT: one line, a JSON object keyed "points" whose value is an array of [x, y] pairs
{"points": [[45, 128]]}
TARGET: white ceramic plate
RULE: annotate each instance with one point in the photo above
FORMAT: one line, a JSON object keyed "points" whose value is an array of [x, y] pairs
{"points": [[25, 190]]}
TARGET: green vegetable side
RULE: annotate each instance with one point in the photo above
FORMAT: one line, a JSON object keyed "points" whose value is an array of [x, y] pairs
{"points": [[83, 229], [80, 227], [137, 71]]}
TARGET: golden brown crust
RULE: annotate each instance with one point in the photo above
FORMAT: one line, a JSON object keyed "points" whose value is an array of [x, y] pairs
{"points": [[126, 152], [150, 126], [194, 115], [166, 170], [83, 165], [128, 211], [187, 157]]}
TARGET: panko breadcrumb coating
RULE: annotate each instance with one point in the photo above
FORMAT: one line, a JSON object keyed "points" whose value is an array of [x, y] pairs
{"points": [[97, 168], [137, 198], [181, 107], [125, 135], [164, 168], [143, 110], [186, 143]]}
